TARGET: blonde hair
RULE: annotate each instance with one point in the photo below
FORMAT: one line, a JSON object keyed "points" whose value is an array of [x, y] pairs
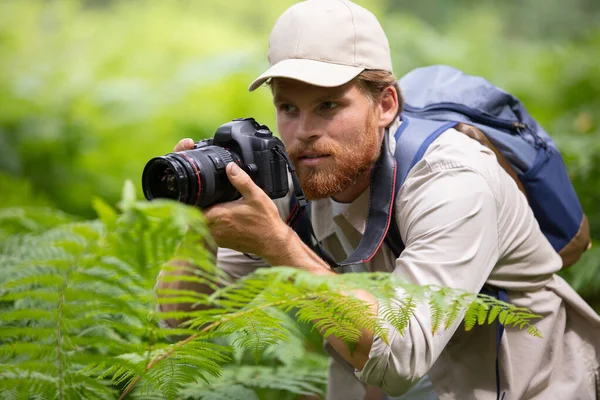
{"points": [[373, 81]]}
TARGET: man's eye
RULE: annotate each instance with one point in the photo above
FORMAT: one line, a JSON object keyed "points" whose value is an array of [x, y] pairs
{"points": [[328, 105], [287, 108]]}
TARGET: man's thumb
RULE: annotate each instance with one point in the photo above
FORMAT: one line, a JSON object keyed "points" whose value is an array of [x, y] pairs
{"points": [[234, 169], [240, 179]]}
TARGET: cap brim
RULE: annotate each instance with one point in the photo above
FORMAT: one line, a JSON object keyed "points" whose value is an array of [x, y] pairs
{"points": [[317, 73]]}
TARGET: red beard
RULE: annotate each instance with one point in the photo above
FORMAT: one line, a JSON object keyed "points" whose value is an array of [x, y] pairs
{"points": [[345, 165]]}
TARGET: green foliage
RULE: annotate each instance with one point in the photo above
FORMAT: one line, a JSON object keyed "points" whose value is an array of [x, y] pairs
{"points": [[235, 382], [79, 314]]}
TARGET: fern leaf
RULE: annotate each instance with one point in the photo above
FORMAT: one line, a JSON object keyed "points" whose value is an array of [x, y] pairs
{"points": [[398, 312], [471, 315], [534, 331], [438, 307], [196, 360], [230, 392], [292, 379], [105, 212], [482, 313], [459, 303]]}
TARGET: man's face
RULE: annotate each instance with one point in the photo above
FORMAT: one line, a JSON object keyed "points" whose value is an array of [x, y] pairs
{"points": [[331, 134]]}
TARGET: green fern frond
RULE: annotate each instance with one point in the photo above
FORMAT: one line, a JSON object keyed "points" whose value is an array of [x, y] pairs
{"points": [[256, 331], [293, 379], [195, 360], [20, 220], [10, 392], [293, 349], [534, 331], [230, 392], [27, 382], [397, 312]]}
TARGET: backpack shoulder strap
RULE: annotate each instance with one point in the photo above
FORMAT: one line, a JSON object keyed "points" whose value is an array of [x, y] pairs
{"points": [[413, 138]]}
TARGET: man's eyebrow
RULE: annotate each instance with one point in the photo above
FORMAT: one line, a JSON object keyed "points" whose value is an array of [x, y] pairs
{"points": [[337, 93], [331, 96], [280, 99]]}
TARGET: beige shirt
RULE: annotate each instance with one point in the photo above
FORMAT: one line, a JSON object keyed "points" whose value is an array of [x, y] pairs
{"points": [[465, 224]]}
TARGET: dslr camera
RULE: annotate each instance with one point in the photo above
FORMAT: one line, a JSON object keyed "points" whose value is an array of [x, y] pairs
{"points": [[197, 177]]}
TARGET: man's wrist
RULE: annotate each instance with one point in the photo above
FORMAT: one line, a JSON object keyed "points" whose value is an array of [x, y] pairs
{"points": [[283, 247], [289, 250]]}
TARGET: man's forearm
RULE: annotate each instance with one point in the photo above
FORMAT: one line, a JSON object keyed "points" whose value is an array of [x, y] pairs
{"points": [[178, 284], [186, 269]]}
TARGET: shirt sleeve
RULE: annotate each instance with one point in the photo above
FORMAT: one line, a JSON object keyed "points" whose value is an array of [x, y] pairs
{"points": [[237, 264], [447, 216]]}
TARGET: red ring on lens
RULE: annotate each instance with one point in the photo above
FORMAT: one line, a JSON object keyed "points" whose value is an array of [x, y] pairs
{"points": [[197, 176]]}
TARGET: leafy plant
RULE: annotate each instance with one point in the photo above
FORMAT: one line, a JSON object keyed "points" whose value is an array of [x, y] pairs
{"points": [[79, 314]]}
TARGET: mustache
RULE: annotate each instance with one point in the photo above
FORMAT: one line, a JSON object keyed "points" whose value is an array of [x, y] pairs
{"points": [[317, 147]]}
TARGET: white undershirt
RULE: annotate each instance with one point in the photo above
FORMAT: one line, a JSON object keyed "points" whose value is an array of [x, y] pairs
{"points": [[338, 209]]}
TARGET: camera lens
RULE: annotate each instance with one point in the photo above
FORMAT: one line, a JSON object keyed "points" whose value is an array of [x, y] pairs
{"points": [[169, 178], [196, 177], [165, 177], [167, 185]]}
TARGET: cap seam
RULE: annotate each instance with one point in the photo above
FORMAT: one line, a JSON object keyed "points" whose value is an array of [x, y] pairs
{"points": [[353, 27], [299, 37]]}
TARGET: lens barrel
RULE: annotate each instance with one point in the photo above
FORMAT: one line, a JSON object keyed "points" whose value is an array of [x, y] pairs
{"points": [[195, 177]]}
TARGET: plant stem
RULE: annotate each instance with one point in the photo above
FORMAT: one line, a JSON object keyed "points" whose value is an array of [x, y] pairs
{"points": [[59, 341]]}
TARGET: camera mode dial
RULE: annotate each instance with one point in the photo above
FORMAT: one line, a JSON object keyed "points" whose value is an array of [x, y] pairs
{"points": [[263, 133]]}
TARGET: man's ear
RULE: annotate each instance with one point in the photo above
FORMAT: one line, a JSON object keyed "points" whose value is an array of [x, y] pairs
{"points": [[388, 105]]}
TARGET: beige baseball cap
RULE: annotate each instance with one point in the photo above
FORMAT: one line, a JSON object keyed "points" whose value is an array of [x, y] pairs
{"points": [[325, 43]]}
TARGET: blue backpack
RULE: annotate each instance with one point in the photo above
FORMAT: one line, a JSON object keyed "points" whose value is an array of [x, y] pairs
{"points": [[441, 93]]}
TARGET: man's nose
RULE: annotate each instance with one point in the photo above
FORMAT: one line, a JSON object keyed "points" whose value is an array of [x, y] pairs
{"points": [[308, 129]]}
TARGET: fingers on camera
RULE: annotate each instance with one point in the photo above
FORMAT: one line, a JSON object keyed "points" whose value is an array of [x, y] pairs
{"points": [[184, 144]]}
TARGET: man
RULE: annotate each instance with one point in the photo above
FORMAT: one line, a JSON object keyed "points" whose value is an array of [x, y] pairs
{"points": [[461, 216]]}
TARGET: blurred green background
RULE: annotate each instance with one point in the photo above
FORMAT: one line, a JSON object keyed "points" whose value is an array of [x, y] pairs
{"points": [[91, 90]]}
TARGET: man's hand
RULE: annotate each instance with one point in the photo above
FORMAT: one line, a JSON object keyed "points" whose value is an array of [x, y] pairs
{"points": [[251, 224]]}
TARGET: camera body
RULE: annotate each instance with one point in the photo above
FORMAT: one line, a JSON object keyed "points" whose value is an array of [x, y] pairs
{"points": [[254, 145], [198, 177]]}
